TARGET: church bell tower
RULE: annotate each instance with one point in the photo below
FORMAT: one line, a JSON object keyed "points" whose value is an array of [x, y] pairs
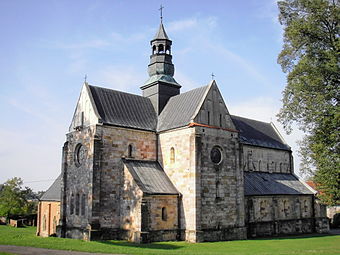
{"points": [[161, 84]]}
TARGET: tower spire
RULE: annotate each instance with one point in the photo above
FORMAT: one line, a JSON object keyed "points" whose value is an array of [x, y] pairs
{"points": [[161, 84]]}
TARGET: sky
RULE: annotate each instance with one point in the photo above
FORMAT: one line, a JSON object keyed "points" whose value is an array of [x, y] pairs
{"points": [[47, 47]]}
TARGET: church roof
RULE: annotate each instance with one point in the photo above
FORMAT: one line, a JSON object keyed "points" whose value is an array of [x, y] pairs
{"points": [[54, 191], [258, 133], [124, 109], [259, 183], [150, 177], [161, 34], [180, 109]]}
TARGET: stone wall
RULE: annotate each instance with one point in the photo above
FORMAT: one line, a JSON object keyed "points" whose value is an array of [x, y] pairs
{"points": [[99, 177], [266, 160], [48, 218], [277, 215], [181, 169], [221, 186]]}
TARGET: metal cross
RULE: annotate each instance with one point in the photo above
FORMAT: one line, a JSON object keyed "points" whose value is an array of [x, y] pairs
{"points": [[85, 78], [212, 76], [161, 10]]}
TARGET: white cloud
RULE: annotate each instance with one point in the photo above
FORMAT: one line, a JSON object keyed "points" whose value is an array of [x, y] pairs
{"points": [[191, 23]]}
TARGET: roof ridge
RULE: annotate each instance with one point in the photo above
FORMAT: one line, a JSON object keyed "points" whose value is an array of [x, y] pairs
{"points": [[115, 90], [232, 115]]}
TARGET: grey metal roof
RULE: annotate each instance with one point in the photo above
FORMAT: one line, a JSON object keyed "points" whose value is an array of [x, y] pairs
{"points": [[161, 34], [180, 109], [258, 133], [257, 183], [124, 109], [54, 191], [150, 177]]}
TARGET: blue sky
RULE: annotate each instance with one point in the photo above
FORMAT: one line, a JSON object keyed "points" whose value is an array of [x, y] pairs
{"points": [[47, 47]]}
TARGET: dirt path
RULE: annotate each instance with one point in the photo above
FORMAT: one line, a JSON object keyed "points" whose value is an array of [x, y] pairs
{"points": [[23, 250]]}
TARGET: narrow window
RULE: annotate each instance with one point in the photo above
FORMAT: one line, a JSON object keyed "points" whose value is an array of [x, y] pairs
{"points": [[219, 190], [72, 204], [259, 165], [82, 211], [44, 223], [220, 120], [167, 50], [130, 149], [305, 205], [172, 155], [82, 119], [281, 169], [77, 204], [154, 50], [164, 214], [208, 118]]}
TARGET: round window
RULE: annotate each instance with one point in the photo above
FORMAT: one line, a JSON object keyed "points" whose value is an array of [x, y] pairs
{"points": [[79, 154], [216, 155]]}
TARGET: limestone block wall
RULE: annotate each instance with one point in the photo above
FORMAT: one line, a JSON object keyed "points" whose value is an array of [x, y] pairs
{"points": [[279, 214], [266, 160], [221, 185], [112, 144], [77, 180], [180, 166], [130, 206], [48, 218]]}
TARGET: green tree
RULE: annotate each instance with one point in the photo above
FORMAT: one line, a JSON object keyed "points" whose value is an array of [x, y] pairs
{"points": [[310, 57], [13, 198]]}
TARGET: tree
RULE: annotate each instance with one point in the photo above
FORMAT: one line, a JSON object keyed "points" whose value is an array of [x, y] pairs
{"points": [[13, 198], [310, 57]]}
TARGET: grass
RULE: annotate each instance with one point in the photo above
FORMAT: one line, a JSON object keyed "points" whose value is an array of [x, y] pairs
{"points": [[311, 244]]}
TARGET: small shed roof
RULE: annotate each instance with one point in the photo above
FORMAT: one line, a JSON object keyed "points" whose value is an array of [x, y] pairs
{"points": [[54, 191], [150, 177]]}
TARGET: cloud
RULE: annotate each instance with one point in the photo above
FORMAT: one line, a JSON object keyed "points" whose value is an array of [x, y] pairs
{"points": [[191, 23], [124, 78]]}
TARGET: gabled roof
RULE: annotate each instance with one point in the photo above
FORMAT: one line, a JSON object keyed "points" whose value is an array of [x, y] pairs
{"points": [[124, 109], [54, 191], [150, 177], [180, 109], [161, 34], [258, 133], [259, 183]]}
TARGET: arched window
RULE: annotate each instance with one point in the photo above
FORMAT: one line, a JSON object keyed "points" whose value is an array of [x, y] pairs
{"points": [[164, 214], [219, 190], [172, 155], [208, 118], [130, 150], [259, 165], [82, 209], [44, 223], [72, 204], [220, 120], [153, 49], [77, 204], [286, 207], [281, 168], [160, 48], [305, 206]]}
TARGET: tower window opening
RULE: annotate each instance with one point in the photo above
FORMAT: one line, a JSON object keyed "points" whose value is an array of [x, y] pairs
{"points": [[161, 48], [164, 214], [172, 155], [130, 150], [220, 120], [167, 51], [153, 49], [208, 118]]}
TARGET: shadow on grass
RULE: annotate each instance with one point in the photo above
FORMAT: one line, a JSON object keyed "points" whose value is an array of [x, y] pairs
{"points": [[161, 246]]}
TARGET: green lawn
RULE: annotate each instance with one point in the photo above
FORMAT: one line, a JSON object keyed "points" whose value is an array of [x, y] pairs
{"points": [[296, 245]]}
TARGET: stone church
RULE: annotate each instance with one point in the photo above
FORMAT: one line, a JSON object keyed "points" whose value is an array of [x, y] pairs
{"points": [[177, 166]]}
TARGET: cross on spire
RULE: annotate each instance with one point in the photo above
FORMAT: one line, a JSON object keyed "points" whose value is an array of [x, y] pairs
{"points": [[212, 76], [161, 10], [85, 78]]}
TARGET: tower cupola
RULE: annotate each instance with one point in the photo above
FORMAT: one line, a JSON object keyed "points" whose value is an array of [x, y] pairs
{"points": [[161, 84]]}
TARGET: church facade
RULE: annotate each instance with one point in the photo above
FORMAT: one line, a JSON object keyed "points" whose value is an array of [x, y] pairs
{"points": [[177, 166]]}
